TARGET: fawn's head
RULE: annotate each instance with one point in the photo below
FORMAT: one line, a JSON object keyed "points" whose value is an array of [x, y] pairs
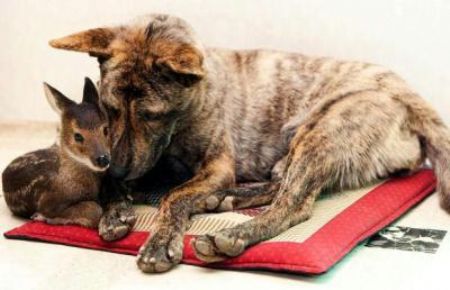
{"points": [[84, 132]]}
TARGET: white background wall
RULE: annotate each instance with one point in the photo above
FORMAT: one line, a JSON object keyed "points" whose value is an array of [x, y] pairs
{"points": [[410, 36]]}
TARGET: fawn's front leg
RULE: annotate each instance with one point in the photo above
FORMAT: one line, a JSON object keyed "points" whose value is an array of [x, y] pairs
{"points": [[164, 248]]}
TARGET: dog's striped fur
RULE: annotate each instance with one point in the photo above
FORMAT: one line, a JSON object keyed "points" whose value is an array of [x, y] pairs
{"points": [[300, 124]]}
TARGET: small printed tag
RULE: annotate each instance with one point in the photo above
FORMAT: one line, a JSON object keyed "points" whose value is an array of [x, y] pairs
{"points": [[408, 239]]}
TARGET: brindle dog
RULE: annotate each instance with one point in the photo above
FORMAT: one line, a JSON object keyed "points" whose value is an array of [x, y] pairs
{"points": [[300, 124]]}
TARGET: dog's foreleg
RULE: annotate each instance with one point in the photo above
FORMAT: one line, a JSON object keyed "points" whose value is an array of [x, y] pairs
{"points": [[164, 248]]}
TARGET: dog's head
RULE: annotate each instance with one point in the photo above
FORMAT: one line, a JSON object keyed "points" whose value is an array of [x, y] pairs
{"points": [[150, 72]]}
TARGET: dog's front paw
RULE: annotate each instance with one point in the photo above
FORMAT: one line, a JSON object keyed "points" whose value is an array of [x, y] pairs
{"points": [[219, 246], [116, 222], [161, 252]]}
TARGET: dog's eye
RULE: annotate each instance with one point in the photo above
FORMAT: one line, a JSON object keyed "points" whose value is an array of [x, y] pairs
{"points": [[113, 112], [78, 137], [105, 131], [131, 91], [147, 116]]}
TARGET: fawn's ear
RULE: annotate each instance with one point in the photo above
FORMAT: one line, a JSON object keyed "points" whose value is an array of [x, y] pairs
{"points": [[56, 99], [90, 93], [93, 41]]}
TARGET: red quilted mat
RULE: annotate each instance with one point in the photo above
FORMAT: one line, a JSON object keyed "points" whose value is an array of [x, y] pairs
{"points": [[339, 223]]}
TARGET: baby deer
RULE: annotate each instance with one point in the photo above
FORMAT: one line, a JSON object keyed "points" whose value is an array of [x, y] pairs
{"points": [[60, 184]]}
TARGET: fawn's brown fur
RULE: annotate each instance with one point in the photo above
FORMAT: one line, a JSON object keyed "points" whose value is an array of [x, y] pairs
{"points": [[60, 184]]}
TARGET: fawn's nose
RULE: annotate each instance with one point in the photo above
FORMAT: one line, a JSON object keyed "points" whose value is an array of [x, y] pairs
{"points": [[102, 161]]}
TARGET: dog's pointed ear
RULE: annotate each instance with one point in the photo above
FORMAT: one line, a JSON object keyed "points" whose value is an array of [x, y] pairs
{"points": [[90, 93], [56, 99], [184, 65], [93, 41]]}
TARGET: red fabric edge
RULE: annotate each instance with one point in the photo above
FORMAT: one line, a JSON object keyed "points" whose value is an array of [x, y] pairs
{"points": [[314, 256]]}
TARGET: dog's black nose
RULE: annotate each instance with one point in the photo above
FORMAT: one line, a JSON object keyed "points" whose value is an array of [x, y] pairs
{"points": [[102, 161], [118, 171]]}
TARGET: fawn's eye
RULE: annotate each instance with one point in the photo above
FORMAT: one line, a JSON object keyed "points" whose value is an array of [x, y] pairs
{"points": [[105, 131], [78, 137]]}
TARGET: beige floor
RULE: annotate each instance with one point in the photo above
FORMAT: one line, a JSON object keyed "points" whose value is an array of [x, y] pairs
{"points": [[31, 265]]}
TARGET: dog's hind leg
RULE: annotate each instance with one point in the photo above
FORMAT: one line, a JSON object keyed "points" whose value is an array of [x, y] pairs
{"points": [[247, 195], [349, 144]]}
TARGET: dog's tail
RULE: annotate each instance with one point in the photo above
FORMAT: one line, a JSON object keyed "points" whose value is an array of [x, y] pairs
{"points": [[435, 138]]}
